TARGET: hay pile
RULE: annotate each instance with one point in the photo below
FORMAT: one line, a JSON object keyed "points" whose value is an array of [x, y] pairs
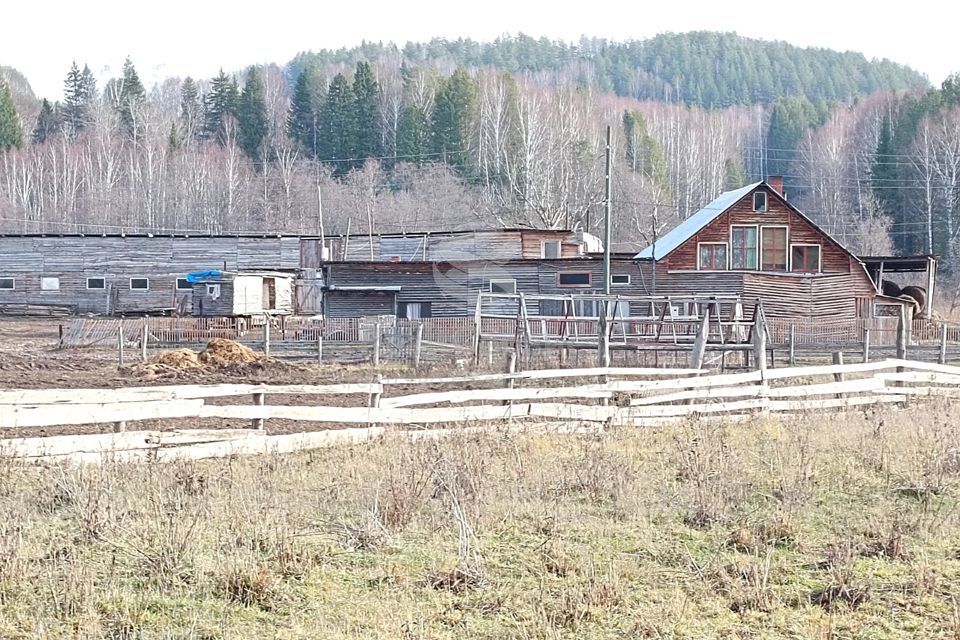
{"points": [[221, 352], [180, 359]]}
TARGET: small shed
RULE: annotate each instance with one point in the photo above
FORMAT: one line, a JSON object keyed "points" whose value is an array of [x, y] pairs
{"points": [[221, 293]]}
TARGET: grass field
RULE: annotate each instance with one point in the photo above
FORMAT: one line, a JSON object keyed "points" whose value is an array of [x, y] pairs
{"points": [[822, 526]]}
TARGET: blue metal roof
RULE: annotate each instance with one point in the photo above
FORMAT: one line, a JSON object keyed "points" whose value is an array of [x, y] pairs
{"points": [[689, 227]]}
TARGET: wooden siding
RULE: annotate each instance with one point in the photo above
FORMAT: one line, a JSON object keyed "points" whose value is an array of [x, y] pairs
{"points": [[834, 258], [532, 241], [821, 296], [116, 259], [355, 304]]}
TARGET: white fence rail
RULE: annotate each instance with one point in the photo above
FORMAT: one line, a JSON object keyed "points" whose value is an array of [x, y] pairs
{"points": [[629, 397]]}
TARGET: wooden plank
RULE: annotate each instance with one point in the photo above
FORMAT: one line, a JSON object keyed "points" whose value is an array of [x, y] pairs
{"points": [[850, 386], [528, 393], [16, 416], [106, 442], [926, 366], [539, 374], [920, 376], [174, 392], [832, 403], [367, 415], [922, 391]]}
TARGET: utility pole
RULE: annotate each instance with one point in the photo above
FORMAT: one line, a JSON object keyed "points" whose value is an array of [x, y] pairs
{"points": [[323, 240], [606, 216], [604, 337]]}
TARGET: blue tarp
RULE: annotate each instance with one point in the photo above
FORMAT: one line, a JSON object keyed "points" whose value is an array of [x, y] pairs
{"points": [[200, 276]]}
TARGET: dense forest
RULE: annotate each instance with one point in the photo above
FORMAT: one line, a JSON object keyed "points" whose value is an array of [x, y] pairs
{"points": [[700, 68], [383, 139]]}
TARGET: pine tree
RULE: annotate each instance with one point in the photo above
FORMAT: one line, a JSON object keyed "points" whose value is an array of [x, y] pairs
{"points": [[190, 110], [252, 115], [79, 96], [366, 93], [884, 179], [220, 103], [11, 135], [303, 121], [48, 122], [131, 99], [453, 116], [413, 135], [337, 127]]}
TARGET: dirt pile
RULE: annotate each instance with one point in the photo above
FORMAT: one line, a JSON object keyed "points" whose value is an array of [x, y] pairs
{"points": [[221, 352]]}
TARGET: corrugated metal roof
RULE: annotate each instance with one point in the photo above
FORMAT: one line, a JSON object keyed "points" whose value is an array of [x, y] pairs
{"points": [[686, 229]]}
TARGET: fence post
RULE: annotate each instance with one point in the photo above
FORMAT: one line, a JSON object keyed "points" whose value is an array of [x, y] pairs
{"points": [[376, 344], [259, 400], [144, 337], [792, 358], [760, 345], [376, 395], [266, 337], [866, 345], [902, 334], [120, 345], [943, 344], [320, 349], [700, 342], [417, 345], [511, 367], [838, 359], [60, 340], [120, 427]]}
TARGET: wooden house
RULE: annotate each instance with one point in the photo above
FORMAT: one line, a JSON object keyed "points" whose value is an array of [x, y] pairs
{"points": [[753, 243], [221, 294]]}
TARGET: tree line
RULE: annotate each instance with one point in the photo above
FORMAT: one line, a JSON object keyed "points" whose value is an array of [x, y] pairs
{"points": [[406, 147], [701, 68]]}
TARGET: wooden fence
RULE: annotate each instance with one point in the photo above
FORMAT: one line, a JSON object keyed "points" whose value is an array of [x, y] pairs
{"points": [[593, 399]]}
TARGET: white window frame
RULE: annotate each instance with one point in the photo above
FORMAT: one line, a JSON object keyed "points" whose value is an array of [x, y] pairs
{"points": [[766, 201], [760, 246], [726, 267], [177, 287], [500, 281], [49, 280], [132, 288], [89, 288], [730, 249], [589, 283], [543, 249], [13, 283], [806, 244], [614, 283]]}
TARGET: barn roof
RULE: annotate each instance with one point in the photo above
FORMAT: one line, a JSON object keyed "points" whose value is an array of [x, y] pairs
{"points": [[689, 227]]}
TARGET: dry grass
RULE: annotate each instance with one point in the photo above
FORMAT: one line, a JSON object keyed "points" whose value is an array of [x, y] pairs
{"points": [[836, 526]]}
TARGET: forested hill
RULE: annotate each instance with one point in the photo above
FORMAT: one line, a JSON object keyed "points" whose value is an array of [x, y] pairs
{"points": [[700, 68]]}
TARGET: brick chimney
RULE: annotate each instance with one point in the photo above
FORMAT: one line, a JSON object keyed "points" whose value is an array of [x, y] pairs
{"points": [[776, 183]]}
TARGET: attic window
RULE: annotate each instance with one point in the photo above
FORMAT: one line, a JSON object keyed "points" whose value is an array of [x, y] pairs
{"points": [[550, 249], [760, 201]]}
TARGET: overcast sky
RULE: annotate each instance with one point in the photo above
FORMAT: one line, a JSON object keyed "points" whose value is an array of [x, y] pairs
{"points": [[197, 37]]}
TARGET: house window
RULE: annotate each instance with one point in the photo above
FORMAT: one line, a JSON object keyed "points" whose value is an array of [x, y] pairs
{"points": [[620, 279], [760, 201], [184, 285], [549, 248], [8, 283], [574, 279], [805, 258], [713, 256], [139, 284], [96, 283], [49, 284], [503, 286], [743, 253], [773, 249], [413, 310]]}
